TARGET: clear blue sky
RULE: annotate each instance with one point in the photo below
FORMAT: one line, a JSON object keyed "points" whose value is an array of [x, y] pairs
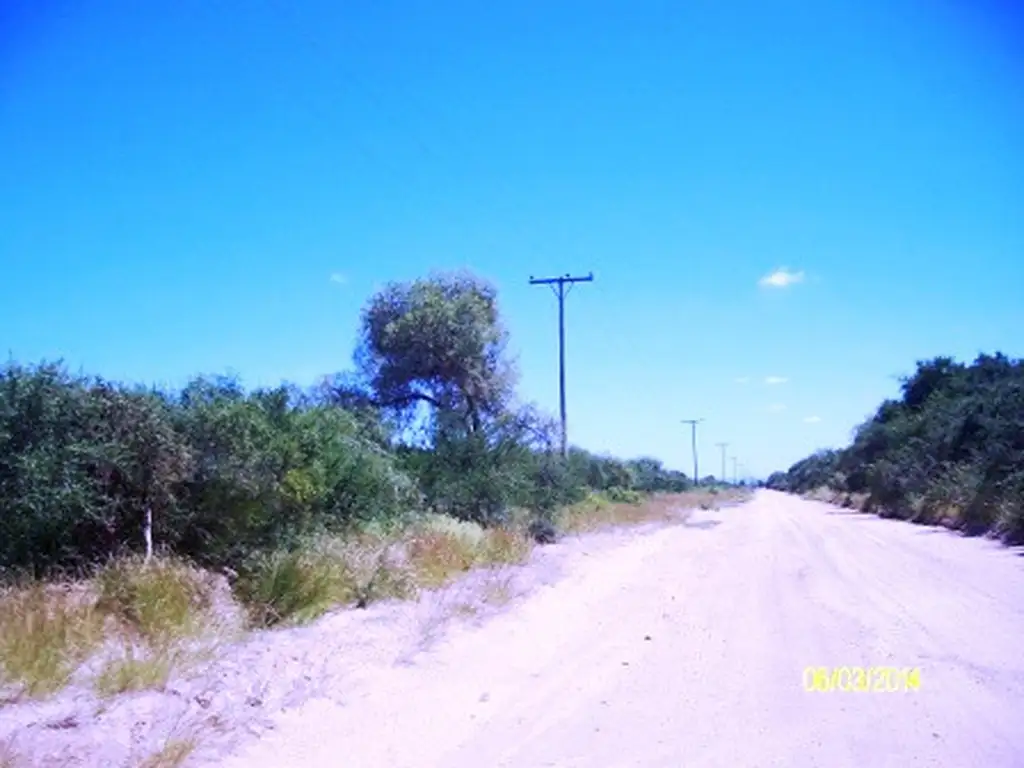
{"points": [[209, 186]]}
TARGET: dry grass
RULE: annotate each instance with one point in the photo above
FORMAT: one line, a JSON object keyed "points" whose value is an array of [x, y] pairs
{"points": [[442, 548], [505, 546], [492, 588], [599, 511], [843, 499], [160, 602], [135, 673], [297, 586], [181, 741], [172, 754], [46, 631], [498, 590]]}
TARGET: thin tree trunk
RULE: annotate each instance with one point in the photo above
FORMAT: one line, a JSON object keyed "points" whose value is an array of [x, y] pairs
{"points": [[147, 532]]}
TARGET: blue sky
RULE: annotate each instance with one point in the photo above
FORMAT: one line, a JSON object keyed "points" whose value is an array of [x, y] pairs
{"points": [[206, 187]]}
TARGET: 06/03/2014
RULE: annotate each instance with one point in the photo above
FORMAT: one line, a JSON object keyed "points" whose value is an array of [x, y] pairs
{"points": [[862, 679]]}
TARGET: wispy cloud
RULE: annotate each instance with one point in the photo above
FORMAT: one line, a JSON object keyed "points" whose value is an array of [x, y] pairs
{"points": [[776, 407], [338, 278], [812, 419], [770, 380], [743, 380], [781, 278]]}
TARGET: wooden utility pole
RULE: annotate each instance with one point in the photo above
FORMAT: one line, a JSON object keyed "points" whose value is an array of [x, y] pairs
{"points": [[561, 293], [723, 446], [693, 442]]}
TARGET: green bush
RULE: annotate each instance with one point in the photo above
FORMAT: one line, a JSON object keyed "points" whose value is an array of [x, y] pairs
{"points": [[221, 473], [92, 470], [950, 450], [624, 495]]}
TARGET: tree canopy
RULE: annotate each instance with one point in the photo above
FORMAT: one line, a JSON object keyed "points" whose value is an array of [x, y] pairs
{"points": [[440, 342]]}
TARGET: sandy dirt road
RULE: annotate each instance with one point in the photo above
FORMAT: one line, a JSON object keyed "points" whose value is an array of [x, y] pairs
{"points": [[687, 647]]}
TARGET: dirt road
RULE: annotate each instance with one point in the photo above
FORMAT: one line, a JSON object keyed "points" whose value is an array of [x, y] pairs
{"points": [[688, 647]]}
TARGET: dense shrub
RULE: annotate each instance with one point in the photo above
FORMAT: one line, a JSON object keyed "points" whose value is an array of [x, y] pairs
{"points": [[223, 473], [426, 422], [950, 450]]}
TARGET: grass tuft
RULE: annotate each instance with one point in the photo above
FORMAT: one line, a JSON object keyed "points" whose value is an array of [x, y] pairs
{"points": [[131, 673], [438, 556], [161, 601], [292, 586], [504, 546], [171, 755], [46, 631], [443, 548], [299, 585]]}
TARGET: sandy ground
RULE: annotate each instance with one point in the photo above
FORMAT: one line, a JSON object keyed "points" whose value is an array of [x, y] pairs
{"points": [[686, 646]]}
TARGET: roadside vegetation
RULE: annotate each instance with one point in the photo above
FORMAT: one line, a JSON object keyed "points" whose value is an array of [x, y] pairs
{"points": [[135, 523], [949, 451]]}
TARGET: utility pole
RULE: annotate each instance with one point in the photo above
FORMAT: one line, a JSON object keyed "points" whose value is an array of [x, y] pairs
{"points": [[723, 446], [693, 440], [561, 293], [735, 472]]}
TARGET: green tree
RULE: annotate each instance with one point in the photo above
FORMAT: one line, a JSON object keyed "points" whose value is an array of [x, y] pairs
{"points": [[439, 343]]}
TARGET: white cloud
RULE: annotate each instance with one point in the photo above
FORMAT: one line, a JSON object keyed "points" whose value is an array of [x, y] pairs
{"points": [[338, 278], [812, 419], [781, 278], [775, 380], [743, 380], [776, 407]]}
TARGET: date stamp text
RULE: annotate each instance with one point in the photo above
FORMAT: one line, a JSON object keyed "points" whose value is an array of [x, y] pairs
{"points": [[862, 679]]}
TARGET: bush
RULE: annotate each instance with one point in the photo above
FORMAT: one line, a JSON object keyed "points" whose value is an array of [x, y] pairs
{"points": [[624, 496], [222, 474], [93, 470], [950, 450], [543, 531]]}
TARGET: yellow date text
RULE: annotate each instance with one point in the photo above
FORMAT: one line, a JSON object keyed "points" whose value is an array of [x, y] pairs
{"points": [[862, 679]]}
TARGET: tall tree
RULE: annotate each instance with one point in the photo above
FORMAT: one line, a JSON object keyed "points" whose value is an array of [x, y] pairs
{"points": [[437, 342]]}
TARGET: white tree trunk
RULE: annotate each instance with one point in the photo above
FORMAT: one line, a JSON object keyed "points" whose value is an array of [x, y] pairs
{"points": [[147, 532]]}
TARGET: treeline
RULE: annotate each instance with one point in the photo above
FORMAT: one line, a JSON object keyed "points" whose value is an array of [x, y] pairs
{"points": [[950, 450], [427, 421]]}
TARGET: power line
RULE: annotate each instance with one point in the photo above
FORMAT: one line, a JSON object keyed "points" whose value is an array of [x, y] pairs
{"points": [[561, 293], [723, 446], [693, 438]]}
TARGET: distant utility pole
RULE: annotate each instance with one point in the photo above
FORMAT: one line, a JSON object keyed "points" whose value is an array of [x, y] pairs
{"points": [[735, 472], [693, 440], [561, 293], [723, 446]]}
